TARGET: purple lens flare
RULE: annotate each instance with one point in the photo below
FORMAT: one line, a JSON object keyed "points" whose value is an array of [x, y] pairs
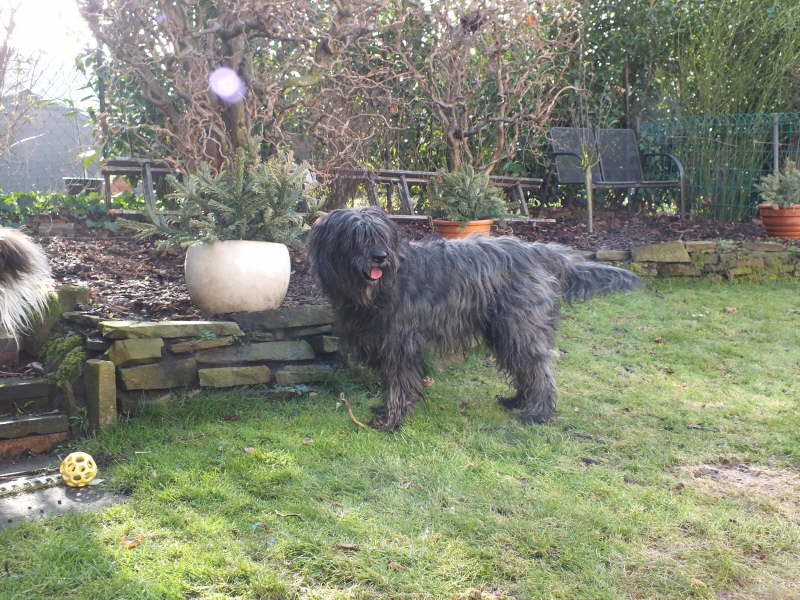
{"points": [[227, 84]]}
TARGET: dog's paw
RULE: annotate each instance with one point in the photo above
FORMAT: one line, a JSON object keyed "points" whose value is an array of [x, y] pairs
{"points": [[384, 423], [509, 401], [529, 418], [378, 411]]}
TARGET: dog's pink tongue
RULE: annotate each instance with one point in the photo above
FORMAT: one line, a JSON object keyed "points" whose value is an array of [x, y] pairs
{"points": [[375, 273]]}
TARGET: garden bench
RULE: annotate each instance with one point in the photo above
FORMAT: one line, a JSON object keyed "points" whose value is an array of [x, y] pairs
{"points": [[615, 158], [513, 186], [146, 168]]}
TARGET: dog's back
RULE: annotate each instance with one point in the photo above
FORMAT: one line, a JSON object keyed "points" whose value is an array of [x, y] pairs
{"points": [[496, 259], [25, 281]]}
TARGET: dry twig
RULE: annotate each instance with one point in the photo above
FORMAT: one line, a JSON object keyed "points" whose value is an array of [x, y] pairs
{"points": [[284, 515], [350, 411]]}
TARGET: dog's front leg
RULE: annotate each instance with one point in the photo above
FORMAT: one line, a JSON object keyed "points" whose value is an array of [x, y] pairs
{"points": [[402, 387]]}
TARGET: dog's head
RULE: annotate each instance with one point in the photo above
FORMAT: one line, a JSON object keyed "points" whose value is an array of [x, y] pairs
{"points": [[355, 253]]}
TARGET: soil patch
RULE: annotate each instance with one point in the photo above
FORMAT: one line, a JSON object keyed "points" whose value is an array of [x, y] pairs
{"points": [[772, 488], [619, 230], [132, 279]]}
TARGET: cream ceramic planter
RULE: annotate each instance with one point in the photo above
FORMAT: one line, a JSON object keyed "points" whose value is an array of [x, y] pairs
{"points": [[237, 276]]}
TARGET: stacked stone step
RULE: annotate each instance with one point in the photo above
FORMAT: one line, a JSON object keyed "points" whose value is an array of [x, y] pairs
{"points": [[284, 347]]}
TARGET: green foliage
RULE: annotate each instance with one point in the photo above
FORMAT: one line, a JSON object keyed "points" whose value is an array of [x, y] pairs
{"points": [[686, 57], [249, 199], [64, 355], [59, 346], [781, 189], [90, 209], [467, 195]]}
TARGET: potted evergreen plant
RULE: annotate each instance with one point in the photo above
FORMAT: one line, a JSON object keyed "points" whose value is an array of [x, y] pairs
{"points": [[780, 202], [236, 227], [465, 202]]}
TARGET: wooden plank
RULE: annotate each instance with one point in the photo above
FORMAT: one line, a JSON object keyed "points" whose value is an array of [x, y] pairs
{"points": [[39, 404], [405, 197], [131, 170], [530, 220], [372, 193], [521, 197], [409, 217], [389, 188], [25, 425], [424, 177], [22, 389], [31, 443]]}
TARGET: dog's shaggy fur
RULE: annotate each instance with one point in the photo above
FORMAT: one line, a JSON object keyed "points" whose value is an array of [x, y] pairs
{"points": [[25, 281], [395, 299]]}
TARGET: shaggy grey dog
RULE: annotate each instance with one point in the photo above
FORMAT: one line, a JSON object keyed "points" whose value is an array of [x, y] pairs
{"points": [[25, 281], [394, 299]]}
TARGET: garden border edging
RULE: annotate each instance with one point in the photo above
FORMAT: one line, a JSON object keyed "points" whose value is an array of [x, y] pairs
{"points": [[712, 259]]}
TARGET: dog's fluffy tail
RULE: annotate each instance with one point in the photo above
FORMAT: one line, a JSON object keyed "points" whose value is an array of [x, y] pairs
{"points": [[595, 279], [25, 281]]}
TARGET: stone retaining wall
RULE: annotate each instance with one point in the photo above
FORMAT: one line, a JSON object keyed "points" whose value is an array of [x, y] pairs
{"points": [[140, 362], [715, 259]]}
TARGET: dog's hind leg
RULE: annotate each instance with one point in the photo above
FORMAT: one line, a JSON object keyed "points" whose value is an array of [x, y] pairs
{"points": [[537, 392], [524, 349]]}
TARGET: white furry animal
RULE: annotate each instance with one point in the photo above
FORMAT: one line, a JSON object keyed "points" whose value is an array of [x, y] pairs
{"points": [[25, 281]]}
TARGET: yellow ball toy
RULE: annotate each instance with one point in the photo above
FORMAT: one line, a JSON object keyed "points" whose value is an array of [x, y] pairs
{"points": [[78, 469]]}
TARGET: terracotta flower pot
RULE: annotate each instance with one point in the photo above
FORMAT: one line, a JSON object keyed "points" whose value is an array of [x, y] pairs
{"points": [[237, 276], [460, 229], [781, 222]]}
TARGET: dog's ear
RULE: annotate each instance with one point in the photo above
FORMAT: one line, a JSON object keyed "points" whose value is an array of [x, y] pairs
{"points": [[320, 217]]}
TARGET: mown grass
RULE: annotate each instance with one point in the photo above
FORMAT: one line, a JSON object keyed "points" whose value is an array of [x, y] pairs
{"points": [[464, 501]]}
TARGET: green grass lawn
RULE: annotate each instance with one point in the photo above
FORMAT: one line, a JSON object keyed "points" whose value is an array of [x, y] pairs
{"points": [[672, 470]]}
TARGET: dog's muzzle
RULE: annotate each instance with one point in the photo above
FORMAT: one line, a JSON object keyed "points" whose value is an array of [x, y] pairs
{"points": [[375, 271]]}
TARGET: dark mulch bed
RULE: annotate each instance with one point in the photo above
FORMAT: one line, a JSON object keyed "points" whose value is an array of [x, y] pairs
{"points": [[132, 279]]}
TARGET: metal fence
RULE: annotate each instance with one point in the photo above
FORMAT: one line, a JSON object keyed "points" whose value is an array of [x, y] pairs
{"points": [[45, 149], [725, 156]]}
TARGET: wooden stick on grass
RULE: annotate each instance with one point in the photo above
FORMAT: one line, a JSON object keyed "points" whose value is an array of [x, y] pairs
{"points": [[284, 515], [350, 411]]}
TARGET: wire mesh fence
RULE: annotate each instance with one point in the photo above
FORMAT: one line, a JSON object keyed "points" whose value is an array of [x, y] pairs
{"points": [[725, 156], [43, 134]]}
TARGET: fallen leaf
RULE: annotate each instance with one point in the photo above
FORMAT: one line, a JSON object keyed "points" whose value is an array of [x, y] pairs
{"points": [[249, 450], [659, 340], [428, 381], [344, 546], [130, 543], [397, 566], [697, 582], [729, 309]]}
